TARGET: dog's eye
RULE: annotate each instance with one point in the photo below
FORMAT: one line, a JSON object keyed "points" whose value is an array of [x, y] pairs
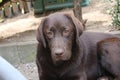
{"points": [[65, 32], [50, 34]]}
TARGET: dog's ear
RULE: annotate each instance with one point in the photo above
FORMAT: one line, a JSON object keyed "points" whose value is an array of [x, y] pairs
{"points": [[78, 25], [40, 35]]}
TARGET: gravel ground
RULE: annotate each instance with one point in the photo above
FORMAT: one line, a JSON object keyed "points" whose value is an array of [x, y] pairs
{"points": [[29, 70]]}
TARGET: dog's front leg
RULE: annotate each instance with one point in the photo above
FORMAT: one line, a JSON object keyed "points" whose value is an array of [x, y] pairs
{"points": [[83, 76], [45, 77], [42, 76]]}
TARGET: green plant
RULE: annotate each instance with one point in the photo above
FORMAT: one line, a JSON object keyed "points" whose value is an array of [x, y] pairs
{"points": [[115, 12]]}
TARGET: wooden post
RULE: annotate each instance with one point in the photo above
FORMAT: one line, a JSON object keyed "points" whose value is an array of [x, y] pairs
{"points": [[78, 10]]}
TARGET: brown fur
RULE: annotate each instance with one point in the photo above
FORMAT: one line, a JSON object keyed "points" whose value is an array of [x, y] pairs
{"points": [[109, 51], [80, 48]]}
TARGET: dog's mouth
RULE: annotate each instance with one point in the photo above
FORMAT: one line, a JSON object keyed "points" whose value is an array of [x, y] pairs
{"points": [[58, 62], [59, 58]]}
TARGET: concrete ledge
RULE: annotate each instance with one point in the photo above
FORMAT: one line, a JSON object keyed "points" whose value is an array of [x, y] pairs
{"points": [[21, 52]]}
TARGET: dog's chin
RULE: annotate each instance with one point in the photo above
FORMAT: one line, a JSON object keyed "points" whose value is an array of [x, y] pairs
{"points": [[59, 61]]}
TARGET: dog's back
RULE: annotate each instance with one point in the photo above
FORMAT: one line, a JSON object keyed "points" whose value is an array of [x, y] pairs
{"points": [[89, 41]]}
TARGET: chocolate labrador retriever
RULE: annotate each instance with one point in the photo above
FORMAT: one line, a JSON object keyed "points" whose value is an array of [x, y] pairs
{"points": [[65, 52]]}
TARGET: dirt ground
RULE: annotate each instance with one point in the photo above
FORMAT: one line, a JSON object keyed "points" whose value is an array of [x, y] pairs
{"points": [[95, 13]]}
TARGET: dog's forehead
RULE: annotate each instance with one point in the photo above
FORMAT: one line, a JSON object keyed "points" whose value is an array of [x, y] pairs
{"points": [[58, 18]]}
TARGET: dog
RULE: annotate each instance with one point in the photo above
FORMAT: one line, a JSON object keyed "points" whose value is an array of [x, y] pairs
{"points": [[65, 51]]}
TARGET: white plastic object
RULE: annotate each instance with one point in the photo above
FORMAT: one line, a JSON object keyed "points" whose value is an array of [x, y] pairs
{"points": [[8, 72]]}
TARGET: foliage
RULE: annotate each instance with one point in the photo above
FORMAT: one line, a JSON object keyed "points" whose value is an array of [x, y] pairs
{"points": [[115, 12]]}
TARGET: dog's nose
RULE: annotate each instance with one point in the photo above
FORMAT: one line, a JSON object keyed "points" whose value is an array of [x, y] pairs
{"points": [[59, 52]]}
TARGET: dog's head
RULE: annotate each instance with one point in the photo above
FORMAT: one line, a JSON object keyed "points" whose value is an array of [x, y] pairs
{"points": [[59, 32]]}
